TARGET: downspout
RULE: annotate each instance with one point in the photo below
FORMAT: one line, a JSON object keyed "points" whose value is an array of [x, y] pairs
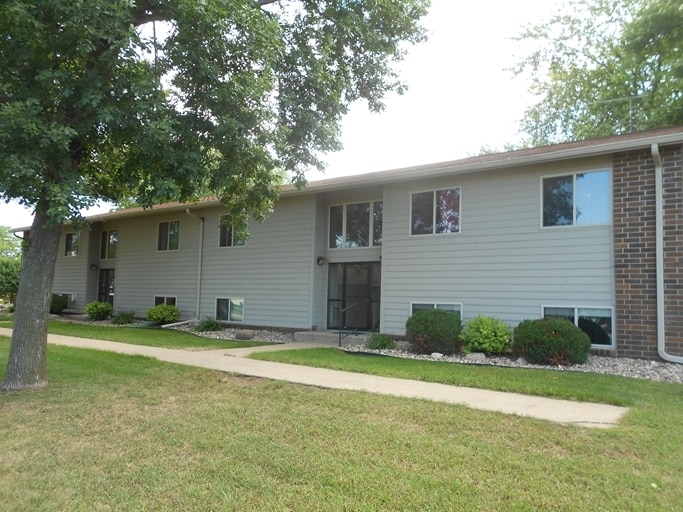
{"points": [[659, 244], [200, 259]]}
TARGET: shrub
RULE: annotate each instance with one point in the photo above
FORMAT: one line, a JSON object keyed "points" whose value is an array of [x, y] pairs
{"points": [[433, 330], [124, 317], [381, 342], [554, 341], [98, 310], [57, 304], [486, 334], [208, 324], [163, 314]]}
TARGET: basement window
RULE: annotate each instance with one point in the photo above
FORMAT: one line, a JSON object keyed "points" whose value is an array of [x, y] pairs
{"points": [[230, 309], [596, 322], [168, 300]]}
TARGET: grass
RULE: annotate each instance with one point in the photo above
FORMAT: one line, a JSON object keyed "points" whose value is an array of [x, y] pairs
{"points": [[584, 387], [165, 338], [114, 432]]}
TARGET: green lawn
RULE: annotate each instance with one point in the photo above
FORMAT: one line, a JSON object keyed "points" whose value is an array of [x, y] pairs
{"points": [[166, 338], [115, 432], [585, 387]]}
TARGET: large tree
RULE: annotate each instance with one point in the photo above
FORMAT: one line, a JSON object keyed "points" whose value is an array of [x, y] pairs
{"points": [[605, 67], [155, 100]]}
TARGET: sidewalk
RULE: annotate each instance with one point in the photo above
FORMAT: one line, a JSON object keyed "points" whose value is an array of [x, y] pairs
{"points": [[234, 361]]}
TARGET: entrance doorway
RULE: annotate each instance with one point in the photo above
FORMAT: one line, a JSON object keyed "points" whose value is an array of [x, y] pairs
{"points": [[105, 289], [353, 297]]}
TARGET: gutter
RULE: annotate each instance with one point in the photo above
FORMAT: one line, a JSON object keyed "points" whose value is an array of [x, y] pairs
{"points": [[200, 259], [659, 244]]}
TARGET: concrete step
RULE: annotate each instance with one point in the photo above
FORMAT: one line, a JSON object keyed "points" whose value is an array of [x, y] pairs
{"points": [[331, 338]]}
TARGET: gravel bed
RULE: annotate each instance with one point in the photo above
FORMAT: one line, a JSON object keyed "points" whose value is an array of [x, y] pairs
{"points": [[231, 334], [624, 367]]}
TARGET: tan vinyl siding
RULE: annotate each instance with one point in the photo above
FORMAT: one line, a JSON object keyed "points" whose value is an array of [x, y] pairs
{"points": [[501, 263], [319, 285], [71, 272], [143, 272], [272, 273]]}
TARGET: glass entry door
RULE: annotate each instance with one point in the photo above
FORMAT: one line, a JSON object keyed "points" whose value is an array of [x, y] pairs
{"points": [[353, 296], [106, 286]]}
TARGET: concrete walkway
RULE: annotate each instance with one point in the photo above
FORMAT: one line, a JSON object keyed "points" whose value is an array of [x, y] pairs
{"points": [[234, 361]]}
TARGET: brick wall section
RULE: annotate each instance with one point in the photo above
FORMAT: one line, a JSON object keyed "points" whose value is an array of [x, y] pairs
{"points": [[634, 252], [672, 162]]}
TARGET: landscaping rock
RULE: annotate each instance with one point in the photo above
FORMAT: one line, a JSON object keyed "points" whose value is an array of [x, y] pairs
{"points": [[437, 355], [244, 334], [476, 357]]}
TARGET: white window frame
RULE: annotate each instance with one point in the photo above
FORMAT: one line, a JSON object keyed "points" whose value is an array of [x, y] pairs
{"points": [[435, 304], [574, 198], [70, 300], [242, 242], [576, 319], [69, 251], [166, 300], [230, 299], [168, 235], [434, 192], [371, 227]]}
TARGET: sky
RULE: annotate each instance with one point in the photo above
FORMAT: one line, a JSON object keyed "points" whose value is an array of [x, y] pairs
{"points": [[461, 95]]}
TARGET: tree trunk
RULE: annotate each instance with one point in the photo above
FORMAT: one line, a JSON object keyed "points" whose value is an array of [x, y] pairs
{"points": [[27, 363]]}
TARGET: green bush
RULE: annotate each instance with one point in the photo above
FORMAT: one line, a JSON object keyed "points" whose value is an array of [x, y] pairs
{"points": [[381, 342], [208, 324], [433, 330], [486, 334], [123, 318], [553, 341], [57, 304], [99, 310], [163, 314]]}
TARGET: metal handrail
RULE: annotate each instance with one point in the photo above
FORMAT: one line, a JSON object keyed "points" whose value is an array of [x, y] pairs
{"points": [[342, 321]]}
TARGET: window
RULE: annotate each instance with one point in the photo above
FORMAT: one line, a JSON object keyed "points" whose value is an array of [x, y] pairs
{"points": [[169, 236], [596, 322], [229, 235], [356, 225], [108, 242], [160, 299], [417, 306], [435, 212], [577, 199], [72, 244], [70, 299], [230, 310]]}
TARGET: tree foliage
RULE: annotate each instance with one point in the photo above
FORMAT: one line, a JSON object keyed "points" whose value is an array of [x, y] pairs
{"points": [[10, 245], [9, 277], [149, 101], [605, 67], [93, 106]]}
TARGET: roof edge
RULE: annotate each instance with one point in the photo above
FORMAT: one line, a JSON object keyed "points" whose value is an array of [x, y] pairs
{"points": [[491, 162], [541, 154]]}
